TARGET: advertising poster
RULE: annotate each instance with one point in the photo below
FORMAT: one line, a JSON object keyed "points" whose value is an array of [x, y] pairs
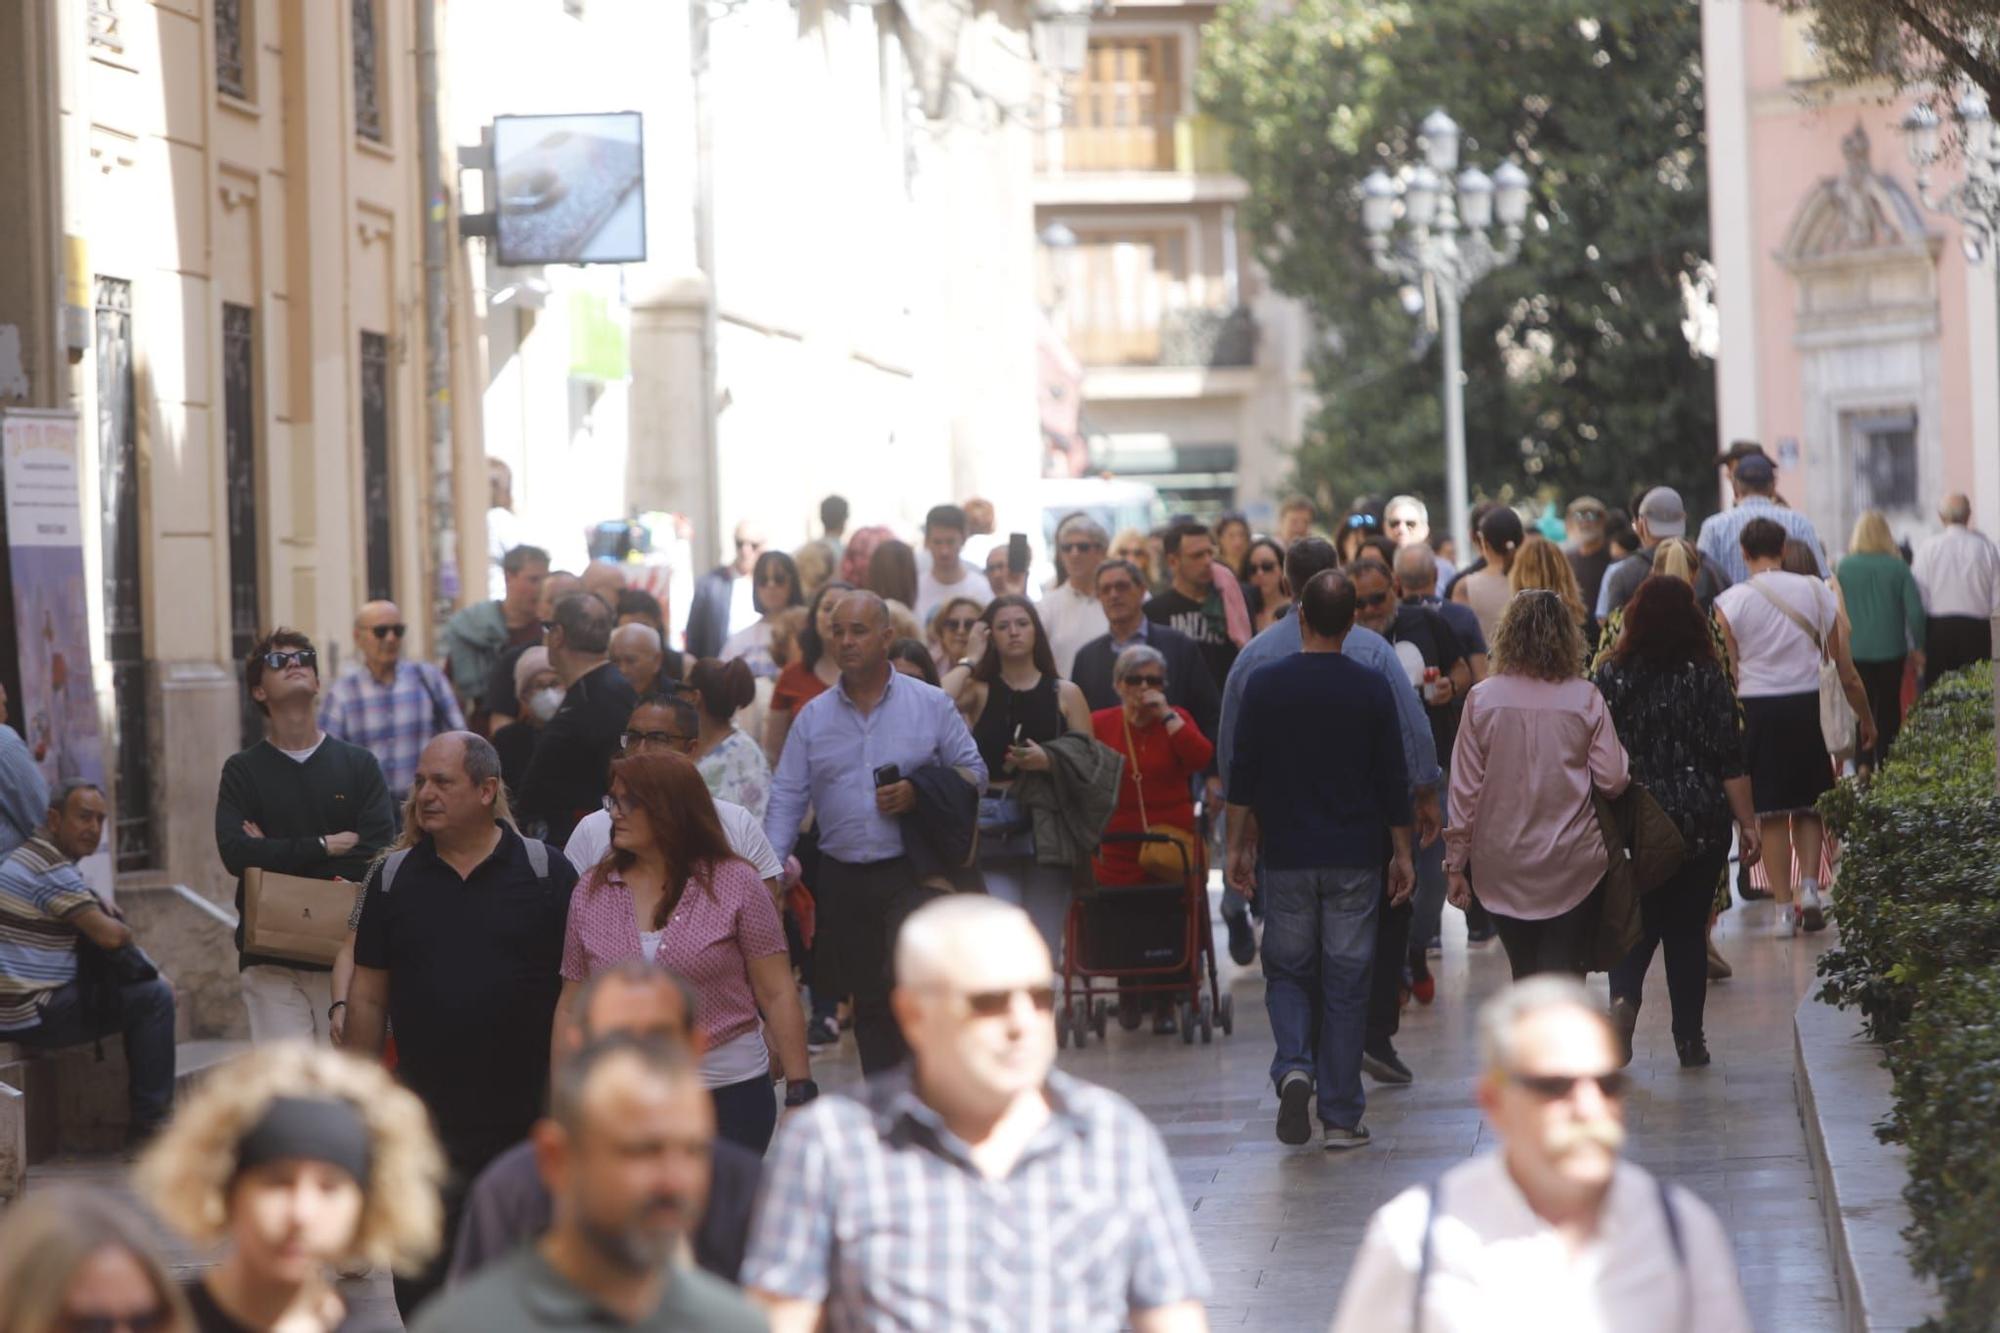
{"points": [[57, 709]]}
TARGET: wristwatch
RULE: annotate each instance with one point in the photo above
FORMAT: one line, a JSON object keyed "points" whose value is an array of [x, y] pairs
{"points": [[800, 1091], [965, 662]]}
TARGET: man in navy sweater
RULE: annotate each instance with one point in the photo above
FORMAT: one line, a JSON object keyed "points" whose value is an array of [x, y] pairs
{"points": [[1317, 786]]}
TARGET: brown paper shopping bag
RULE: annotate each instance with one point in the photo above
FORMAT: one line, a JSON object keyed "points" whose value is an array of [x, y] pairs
{"points": [[295, 918]]}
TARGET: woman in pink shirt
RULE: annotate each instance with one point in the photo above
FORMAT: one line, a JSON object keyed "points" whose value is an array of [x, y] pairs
{"points": [[1528, 839], [671, 891]]}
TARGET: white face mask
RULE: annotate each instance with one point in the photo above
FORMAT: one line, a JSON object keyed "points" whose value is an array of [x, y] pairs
{"points": [[543, 703]]}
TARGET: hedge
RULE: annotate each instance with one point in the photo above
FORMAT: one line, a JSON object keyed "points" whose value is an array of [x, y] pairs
{"points": [[1919, 955]]}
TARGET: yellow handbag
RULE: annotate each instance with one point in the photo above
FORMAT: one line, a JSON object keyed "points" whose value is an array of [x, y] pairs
{"points": [[1162, 862]]}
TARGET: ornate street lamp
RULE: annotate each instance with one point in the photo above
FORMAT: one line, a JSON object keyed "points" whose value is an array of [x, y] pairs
{"points": [[1974, 202], [1445, 248]]}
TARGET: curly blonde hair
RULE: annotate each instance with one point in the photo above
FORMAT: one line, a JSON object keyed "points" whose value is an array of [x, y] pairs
{"points": [[1540, 563], [187, 1172], [1538, 637]]}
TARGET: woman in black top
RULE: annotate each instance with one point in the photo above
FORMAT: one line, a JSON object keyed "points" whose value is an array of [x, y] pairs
{"points": [[297, 1159], [1008, 691], [1676, 715]]}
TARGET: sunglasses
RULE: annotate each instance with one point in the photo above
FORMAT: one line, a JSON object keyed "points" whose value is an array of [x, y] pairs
{"points": [[278, 659], [1078, 548], [632, 740], [1263, 566], [384, 631], [1395, 524], [775, 580], [146, 1321], [1147, 682], [1356, 522], [994, 1003], [1372, 599], [958, 626], [1555, 1087]]}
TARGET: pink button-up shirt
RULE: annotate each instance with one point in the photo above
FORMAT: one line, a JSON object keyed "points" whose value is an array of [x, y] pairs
{"points": [[1528, 754], [709, 940]]}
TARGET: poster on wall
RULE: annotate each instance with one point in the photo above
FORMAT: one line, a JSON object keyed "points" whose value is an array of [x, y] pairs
{"points": [[57, 709]]}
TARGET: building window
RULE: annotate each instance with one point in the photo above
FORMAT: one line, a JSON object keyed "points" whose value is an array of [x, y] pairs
{"points": [[1119, 289], [375, 464], [239, 425], [230, 75], [124, 613], [1884, 446], [367, 71], [1125, 106]]}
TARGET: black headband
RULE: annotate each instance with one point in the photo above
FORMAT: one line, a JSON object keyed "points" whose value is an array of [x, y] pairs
{"points": [[319, 1129]]}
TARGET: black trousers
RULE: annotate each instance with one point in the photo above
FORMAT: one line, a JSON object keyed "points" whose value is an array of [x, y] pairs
{"points": [[466, 1154], [1558, 944], [860, 909], [1675, 915], [1884, 683], [1385, 986], [1951, 642]]}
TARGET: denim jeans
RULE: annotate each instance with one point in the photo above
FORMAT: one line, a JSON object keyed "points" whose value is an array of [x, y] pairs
{"points": [[1428, 922], [1319, 943], [146, 1019]]}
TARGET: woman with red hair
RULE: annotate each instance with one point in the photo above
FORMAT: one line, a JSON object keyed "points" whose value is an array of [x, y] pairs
{"points": [[671, 891]]}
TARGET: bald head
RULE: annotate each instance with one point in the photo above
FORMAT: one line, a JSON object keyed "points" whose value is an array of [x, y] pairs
{"points": [[1956, 509], [554, 588], [605, 581], [957, 939], [457, 787], [861, 603], [636, 652], [378, 637], [1416, 571]]}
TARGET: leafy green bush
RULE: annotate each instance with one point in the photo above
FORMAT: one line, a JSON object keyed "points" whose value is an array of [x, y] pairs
{"points": [[1919, 890], [1919, 956]]}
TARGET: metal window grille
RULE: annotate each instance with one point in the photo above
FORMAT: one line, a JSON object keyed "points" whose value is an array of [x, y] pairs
{"points": [[239, 418], [124, 613], [367, 71], [229, 69], [375, 463]]}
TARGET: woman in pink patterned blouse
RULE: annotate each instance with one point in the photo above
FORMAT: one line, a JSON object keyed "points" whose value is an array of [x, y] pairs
{"points": [[672, 892]]}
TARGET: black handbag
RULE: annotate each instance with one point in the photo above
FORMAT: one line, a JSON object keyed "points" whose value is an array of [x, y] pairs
{"points": [[101, 974]]}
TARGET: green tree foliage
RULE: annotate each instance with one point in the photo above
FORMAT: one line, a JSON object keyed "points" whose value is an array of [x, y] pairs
{"points": [[1915, 43], [1580, 377]]}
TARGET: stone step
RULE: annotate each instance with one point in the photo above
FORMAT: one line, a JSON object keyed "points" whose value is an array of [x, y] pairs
{"points": [[70, 1101]]}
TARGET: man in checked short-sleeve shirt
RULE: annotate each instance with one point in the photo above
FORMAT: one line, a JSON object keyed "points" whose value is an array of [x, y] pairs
{"points": [[976, 1188]]}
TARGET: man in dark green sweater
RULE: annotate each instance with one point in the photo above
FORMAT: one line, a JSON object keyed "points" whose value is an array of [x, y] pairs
{"points": [[296, 803]]}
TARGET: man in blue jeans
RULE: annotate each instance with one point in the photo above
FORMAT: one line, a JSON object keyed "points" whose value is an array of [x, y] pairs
{"points": [[45, 908], [1318, 788]]}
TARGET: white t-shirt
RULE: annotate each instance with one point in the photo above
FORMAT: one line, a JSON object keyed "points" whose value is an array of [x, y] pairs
{"points": [[931, 594], [592, 839], [1072, 619], [1776, 656], [743, 612], [736, 1060], [300, 756]]}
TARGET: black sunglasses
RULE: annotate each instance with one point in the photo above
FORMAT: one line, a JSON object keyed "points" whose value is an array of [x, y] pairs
{"points": [[958, 626], [1372, 599], [1263, 566], [1078, 548], [994, 1003], [145, 1321], [384, 631], [278, 659], [632, 740], [1555, 1087], [1148, 682]]}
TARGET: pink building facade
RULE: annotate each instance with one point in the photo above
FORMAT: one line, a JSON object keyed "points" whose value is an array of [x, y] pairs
{"points": [[1855, 339]]}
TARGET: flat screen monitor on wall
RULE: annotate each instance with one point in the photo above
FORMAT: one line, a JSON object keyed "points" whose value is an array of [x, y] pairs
{"points": [[569, 189]]}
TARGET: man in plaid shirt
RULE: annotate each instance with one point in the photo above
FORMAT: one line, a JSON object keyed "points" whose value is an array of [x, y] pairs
{"points": [[386, 705], [976, 1187]]}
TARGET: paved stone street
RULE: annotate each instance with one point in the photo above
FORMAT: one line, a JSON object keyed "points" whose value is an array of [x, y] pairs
{"points": [[1278, 1226]]}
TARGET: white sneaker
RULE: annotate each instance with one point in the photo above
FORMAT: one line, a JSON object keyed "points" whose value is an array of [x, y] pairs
{"points": [[1787, 924], [1812, 908]]}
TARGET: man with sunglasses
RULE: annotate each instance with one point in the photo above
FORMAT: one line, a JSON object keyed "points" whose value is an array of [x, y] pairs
{"points": [[984, 1188], [1407, 522], [299, 802], [1071, 613], [1552, 1230], [387, 705]]}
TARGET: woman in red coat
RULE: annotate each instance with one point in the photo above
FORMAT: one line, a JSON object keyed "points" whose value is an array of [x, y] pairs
{"points": [[1164, 752]]}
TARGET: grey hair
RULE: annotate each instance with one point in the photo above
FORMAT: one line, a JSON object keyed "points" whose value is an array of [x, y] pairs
{"points": [[1500, 1017], [60, 793], [1085, 524], [1407, 502], [970, 919], [1138, 655], [1416, 567], [1955, 509], [585, 621]]}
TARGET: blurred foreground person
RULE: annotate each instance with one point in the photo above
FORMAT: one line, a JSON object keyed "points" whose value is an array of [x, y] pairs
{"points": [[1045, 1202], [297, 1159], [73, 1259], [1553, 1231], [624, 1154]]}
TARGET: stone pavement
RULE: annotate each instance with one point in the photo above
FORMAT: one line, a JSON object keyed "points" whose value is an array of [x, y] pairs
{"points": [[1278, 1226]]}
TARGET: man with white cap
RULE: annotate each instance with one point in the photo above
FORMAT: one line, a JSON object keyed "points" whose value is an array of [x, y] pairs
{"points": [[1661, 516]]}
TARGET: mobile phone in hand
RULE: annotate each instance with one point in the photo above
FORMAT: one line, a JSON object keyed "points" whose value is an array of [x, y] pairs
{"points": [[888, 775], [1017, 553]]}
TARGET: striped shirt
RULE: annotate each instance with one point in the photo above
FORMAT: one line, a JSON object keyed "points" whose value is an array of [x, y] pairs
{"points": [[393, 722], [1722, 535], [877, 1212], [40, 895]]}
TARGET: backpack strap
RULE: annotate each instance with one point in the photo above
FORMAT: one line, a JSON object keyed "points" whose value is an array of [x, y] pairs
{"points": [[538, 857], [392, 863], [1803, 625], [1424, 1248]]}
